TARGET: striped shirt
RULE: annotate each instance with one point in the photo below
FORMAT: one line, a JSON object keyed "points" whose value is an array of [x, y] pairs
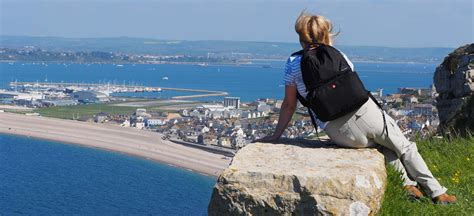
{"points": [[293, 77]]}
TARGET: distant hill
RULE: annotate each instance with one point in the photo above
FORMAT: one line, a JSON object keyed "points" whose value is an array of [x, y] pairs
{"points": [[203, 48]]}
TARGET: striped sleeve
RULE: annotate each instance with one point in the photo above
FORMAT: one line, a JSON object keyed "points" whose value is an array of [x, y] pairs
{"points": [[289, 78]]}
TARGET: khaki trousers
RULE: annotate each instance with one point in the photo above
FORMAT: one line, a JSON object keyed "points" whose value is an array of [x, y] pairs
{"points": [[365, 128]]}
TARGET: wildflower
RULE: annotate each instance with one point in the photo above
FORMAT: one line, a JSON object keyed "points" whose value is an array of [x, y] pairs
{"points": [[455, 176], [455, 180], [468, 159]]}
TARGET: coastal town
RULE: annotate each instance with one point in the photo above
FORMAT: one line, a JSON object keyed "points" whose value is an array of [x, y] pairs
{"points": [[226, 126]]}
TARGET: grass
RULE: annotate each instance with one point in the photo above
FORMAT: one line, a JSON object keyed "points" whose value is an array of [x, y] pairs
{"points": [[451, 162], [88, 110]]}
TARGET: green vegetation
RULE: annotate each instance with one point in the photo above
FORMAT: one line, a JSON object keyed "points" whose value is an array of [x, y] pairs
{"points": [[83, 111], [451, 161], [464, 119], [86, 111]]}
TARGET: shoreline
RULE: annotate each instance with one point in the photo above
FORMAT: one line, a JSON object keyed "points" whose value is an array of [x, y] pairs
{"points": [[144, 144]]}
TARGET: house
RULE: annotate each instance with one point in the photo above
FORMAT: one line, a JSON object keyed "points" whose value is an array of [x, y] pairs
{"points": [[207, 139], [141, 112], [101, 117], [237, 132], [263, 107], [224, 141], [238, 142], [140, 125], [233, 113], [423, 109], [216, 114], [278, 104], [410, 99], [204, 130], [195, 113], [237, 124], [170, 116], [414, 125], [394, 98], [125, 123], [185, 112], [138, 122], [155, 122]]}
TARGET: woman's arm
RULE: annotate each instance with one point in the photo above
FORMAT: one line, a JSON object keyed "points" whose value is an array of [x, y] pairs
{"points": [[286, 112]]}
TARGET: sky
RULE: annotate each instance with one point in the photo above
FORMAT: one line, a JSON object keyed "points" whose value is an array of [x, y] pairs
{"points": [[393, 23]]}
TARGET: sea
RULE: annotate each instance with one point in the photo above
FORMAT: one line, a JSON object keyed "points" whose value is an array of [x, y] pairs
{"points": [[40, 177], [262, 79]]}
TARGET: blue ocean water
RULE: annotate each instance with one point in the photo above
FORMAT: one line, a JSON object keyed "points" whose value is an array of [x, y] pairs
{"points": [[249, 82], [40, 177]]}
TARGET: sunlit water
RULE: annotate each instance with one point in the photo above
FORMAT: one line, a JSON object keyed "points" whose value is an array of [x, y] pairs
{"points": [[40, 177]]}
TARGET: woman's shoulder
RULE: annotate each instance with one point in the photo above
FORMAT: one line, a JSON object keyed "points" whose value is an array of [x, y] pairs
{"points": [[294, 58]]}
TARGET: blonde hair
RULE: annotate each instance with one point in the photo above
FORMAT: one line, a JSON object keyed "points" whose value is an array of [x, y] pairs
{"points": [[314, 28]]}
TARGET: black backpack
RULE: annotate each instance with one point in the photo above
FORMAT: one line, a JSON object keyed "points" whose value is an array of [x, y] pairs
{"points": [[334, 90]]}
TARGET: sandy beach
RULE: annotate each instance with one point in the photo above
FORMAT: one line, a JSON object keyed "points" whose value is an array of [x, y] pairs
{"points": [[132, 141]]}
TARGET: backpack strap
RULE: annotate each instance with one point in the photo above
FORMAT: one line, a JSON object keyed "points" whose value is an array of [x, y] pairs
{"points": [[301, 99], [383, 114], [305, 103]]}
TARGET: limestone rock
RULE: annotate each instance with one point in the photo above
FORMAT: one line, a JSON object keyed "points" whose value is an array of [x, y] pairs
{"points": [[454, 82], [297, 179]]}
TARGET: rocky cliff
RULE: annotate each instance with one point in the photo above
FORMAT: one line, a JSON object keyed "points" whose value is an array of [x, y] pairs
{"points": [[300, 179], [454, 82]]}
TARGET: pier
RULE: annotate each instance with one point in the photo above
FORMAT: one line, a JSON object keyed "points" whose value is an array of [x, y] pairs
{"points": [[114, 88]]}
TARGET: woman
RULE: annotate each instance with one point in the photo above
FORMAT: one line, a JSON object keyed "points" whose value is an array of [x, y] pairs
{"points": [[361, 128]]}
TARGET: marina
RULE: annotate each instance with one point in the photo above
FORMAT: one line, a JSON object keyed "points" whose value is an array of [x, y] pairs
{"points": [[107, 89]]}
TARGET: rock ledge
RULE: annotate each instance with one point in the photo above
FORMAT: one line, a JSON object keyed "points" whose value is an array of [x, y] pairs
{"points": [[283, 179]]}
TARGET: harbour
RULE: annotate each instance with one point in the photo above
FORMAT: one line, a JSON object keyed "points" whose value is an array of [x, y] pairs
{"points": [[108, 88]]}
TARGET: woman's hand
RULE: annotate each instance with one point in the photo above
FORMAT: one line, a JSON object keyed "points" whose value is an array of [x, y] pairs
{"points": [[286, 112], [267, 139]]}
